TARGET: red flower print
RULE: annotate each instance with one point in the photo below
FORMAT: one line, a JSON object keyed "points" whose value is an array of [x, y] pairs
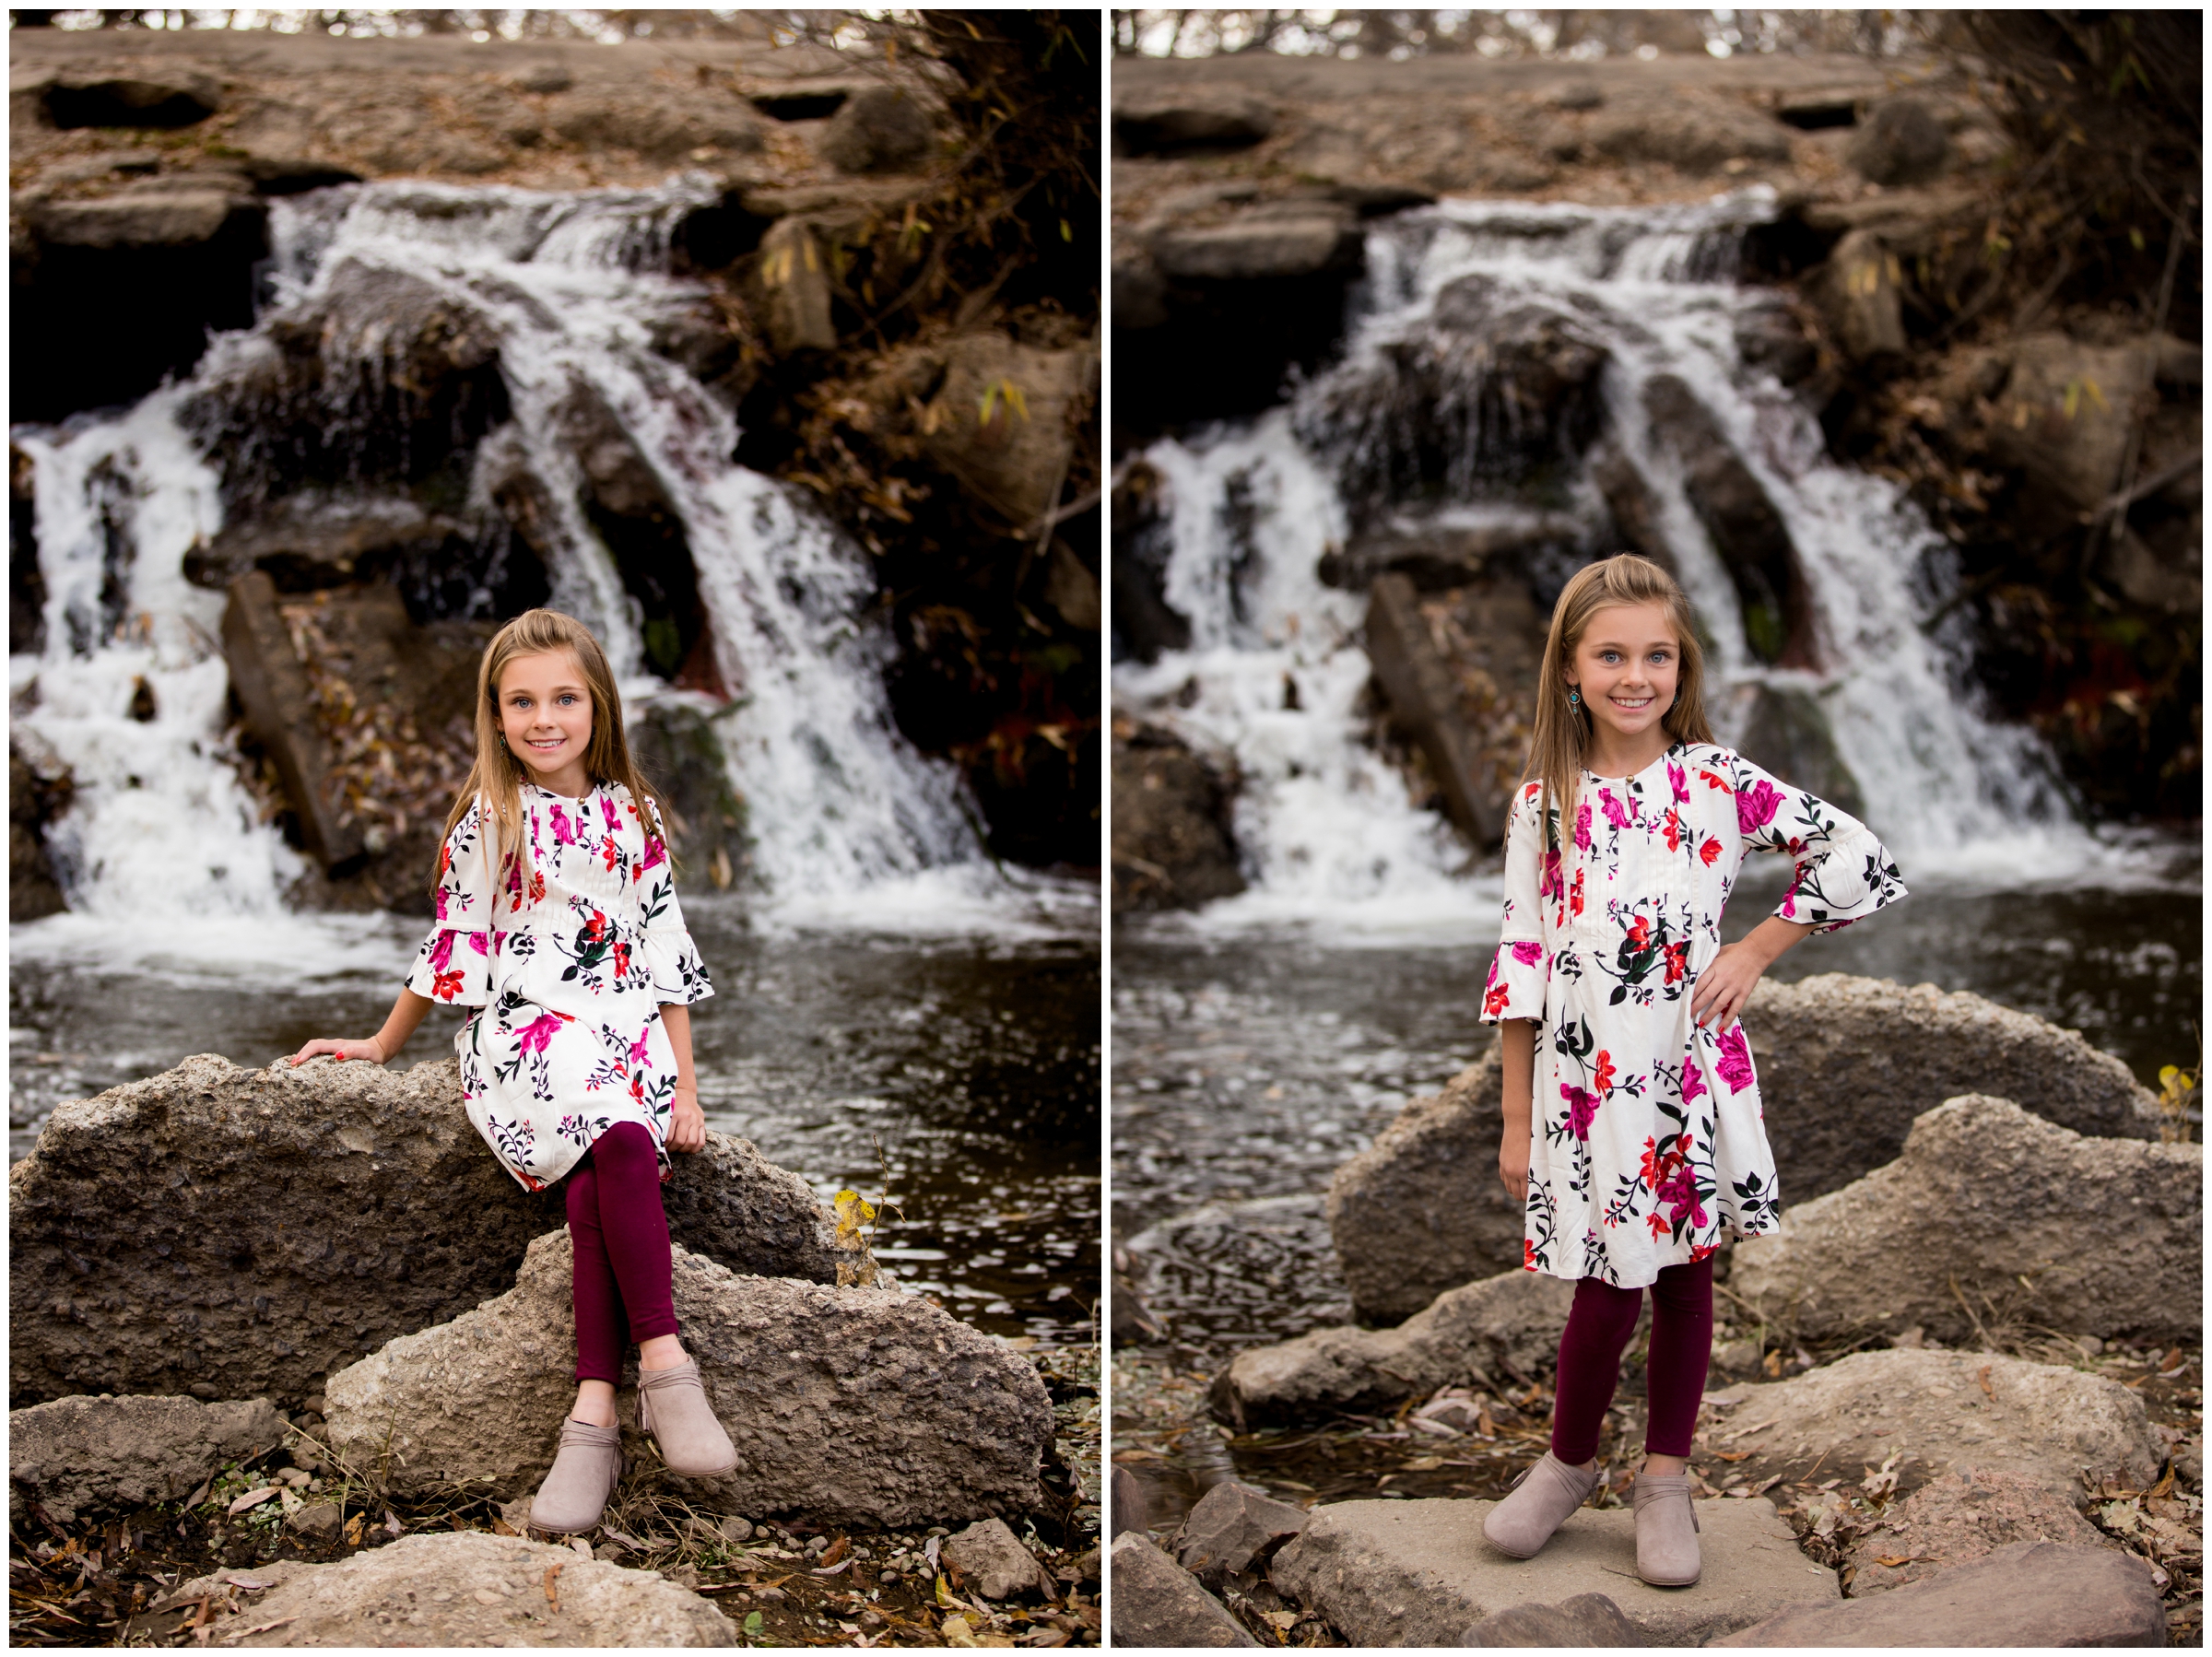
{"points": [[1719, 783], [595, 928], [1734, 1062], [1494, 1001], [1701, 1251], [1639, 935], [621, 959], [1528, 1255], [1674, 829], [1604, 1078], [444, 986], [608, 852], [1677, 960], [1755, 807], [1709, 854], [1574, 898], [445, 860], [1581, 1110], [537, 886]]}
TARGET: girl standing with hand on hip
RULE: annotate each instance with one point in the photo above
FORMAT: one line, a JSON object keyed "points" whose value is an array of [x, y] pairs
{"points": [[558, 922], [1632, 1122]]}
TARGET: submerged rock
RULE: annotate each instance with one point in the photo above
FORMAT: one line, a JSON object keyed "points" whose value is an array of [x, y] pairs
{"points": [[111, 1456], [1986, 1199], [227, 1232], [859, 1406]]}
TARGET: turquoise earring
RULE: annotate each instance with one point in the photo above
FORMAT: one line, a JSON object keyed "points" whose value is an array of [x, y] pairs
{"points": [[1574, 696]]}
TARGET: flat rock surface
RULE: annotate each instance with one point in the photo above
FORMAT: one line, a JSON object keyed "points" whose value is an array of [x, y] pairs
{"points": [[462, 1588], [2029, 1594], [1938, 1412], [1418, 1573], [106, 1455], [1958, 1517], [856, 1405], [1984, 1194]]}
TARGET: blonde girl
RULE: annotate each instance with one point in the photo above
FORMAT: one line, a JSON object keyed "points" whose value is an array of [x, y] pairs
{"points": [[557, 924], [1632, 1132]]}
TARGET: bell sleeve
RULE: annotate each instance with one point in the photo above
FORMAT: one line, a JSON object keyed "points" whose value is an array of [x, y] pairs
{"points": [[1521, 973], [454, 963], [1843, 873], [679, 977]]}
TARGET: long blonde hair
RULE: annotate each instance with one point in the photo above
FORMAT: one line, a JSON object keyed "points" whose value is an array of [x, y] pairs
{"points": [[1563, 738], [498, 775]]}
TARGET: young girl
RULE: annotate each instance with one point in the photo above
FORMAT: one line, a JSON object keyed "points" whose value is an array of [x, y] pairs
{"points": [[558, 922], [1632, 1132]]}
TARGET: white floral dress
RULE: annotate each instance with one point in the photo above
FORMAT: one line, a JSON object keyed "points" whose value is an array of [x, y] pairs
{"points": [[1648, 1144], [568, 970]]}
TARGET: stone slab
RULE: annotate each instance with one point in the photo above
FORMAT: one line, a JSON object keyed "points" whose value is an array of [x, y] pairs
{"points": [[1418, 1573]]}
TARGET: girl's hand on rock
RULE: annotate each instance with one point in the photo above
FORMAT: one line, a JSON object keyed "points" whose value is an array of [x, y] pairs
{"points": [[340, 1049], [688, 1122]]}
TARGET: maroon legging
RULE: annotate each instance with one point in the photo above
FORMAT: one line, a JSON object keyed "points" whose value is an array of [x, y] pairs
{"points": [[620, 1240], [1597, 1333]]}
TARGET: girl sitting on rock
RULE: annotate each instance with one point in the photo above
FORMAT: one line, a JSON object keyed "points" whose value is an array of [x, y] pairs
{"points": [[558, 924], [1633, 1129]]}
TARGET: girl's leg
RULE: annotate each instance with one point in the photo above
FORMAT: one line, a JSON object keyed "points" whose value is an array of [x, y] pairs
{"points": [[601, 1324], [1675, 1377], [636, 1231], [1597, 1332]]}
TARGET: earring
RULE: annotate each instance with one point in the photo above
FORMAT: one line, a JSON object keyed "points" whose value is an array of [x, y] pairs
{"points": [[1574, 696]]}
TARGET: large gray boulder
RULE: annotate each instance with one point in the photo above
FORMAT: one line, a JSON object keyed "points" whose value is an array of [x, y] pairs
{"points": [[457, 1588], [1934, 1413], [851, 1405], [1503, 1329], [107, 1454], [2029, 1595], [1845, 1066], [1986, 1200], [229, 1233]]}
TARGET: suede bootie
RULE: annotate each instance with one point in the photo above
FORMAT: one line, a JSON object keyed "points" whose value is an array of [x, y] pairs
{"points": [[1544, 1494], [673, 1408], [582, 1478], [1666, 1529]]}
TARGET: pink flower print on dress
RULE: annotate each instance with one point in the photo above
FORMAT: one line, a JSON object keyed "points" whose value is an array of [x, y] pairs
{"points": [[1581, 1110], [1694, 1079], [1756, 807], [1678, 780], [1582, 827], [656, 853], [542, 1029], [563, 830], [1528, 952], [480, 942], [1550, 883], [442, 952], [1734, 1062], [607, 811], [1617, 815], [637, 1048]]}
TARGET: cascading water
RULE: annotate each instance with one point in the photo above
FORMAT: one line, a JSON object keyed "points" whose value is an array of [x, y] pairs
{"points": [[849, 824], [1324, 825]]}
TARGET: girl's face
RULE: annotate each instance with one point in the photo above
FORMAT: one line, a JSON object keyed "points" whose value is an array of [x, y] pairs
{"points": [[546, 716], [1627, 665]]}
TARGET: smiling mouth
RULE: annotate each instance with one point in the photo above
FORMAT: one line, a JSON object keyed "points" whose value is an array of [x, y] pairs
{"points": [[1632, 703], [547, 743]]}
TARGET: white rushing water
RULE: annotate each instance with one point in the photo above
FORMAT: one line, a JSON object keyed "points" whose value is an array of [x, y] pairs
{"points": [[1326, 829], [162, 855]]}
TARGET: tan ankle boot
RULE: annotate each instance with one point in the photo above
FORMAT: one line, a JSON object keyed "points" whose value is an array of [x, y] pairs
{"points": [[1666, 1529], [581, 1480], [672, 1407], [1542, 1497]]}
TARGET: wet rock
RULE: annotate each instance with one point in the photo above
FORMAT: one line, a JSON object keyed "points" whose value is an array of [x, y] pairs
{"points": [[461, 1588], [1232, 1529], [169, 219], [852, 1406], [201, 1231], [1587, 1619], [793, 273], [1421, 1210], [1144, 623], [169, 102], [1156, 122], [1171, 846], [2030, 1594], [878, 129], [1418, 1573], [1071, 588], [1502, 1329], [1856, 292], [1139, 297], [1937, 1412], [1984, 1196], [1302, 241], [1629, 499], [1424, 702], [37, 794], [2065, 413], [677, 747], [1772, 338], [1435, 556], [1696, 135], [1958, 1517], [272, 689], [1901, 141], [1786, 732], [105, 1454], [1126, 1504], [1747, 529], [1157, 1602], [304, 543], [993, 1562], [1005, 418]]}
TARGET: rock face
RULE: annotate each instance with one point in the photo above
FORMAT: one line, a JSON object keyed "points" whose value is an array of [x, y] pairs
{"points": [[227, 1232], [1503, 1328], [1171, 845], [1156, 1603], [272, 688], [107, 1455], [1695, 135], [1937, 1412], [1424, 702], [878, 129], [462, 1588], [861, 1407], [1196, 118], [34, 801], [1422, 1209], [1856, 293], [2029, 1595], [1003, 422], [1232, 1528], [1418, 1573], [2069, 445], [1984, 1194], [1958, 1517]]}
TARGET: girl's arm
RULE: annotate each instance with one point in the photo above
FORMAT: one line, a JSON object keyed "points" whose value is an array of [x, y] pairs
{"points": [[407, 1015], [1727, 982], [1517, 1048], [688, 1122]]}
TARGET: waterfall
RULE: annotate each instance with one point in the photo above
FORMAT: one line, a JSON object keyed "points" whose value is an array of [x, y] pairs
{"points": [[849, 825], [1325, 826]]}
